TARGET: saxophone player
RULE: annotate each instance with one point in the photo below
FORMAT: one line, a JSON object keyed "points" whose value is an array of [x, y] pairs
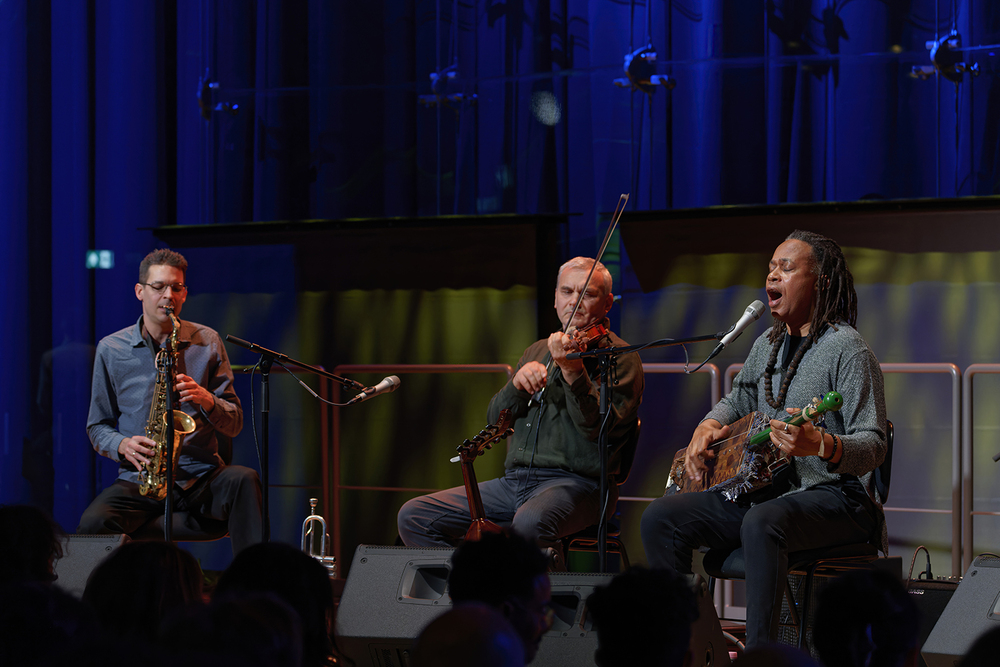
{"points": [[121, 407]]}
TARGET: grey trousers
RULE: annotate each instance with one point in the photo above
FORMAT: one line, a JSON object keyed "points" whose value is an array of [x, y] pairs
{"points": [[541, 504]]}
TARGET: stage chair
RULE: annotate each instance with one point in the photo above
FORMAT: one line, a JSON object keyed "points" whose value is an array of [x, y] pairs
{"points": [[184, 526], [830, 561], [587, 539]]}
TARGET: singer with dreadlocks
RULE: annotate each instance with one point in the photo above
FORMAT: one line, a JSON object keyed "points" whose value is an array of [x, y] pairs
{"points": [[828, 497]]}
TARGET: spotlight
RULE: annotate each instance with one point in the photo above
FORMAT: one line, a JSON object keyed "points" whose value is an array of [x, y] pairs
{"points": [[441, 81], [947, 59], [545, 107], [639, 70], [205, 90]]}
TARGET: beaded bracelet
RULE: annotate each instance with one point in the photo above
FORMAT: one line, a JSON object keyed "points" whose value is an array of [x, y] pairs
{"points": [[833, 452]]}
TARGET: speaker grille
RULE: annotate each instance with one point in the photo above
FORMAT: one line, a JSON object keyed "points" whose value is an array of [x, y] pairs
{"points": [[986, 561], [788, 630], [81, 554]]}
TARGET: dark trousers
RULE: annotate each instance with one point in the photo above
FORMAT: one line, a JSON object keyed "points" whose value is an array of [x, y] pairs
{"points": [[823, 516], [228, 493]]}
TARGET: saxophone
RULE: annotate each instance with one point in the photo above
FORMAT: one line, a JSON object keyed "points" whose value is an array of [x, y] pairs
{"points": [[153, 476]]}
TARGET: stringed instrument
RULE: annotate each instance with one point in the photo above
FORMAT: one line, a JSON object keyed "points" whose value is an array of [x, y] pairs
{"points": [[467, 453], [747, 461]]}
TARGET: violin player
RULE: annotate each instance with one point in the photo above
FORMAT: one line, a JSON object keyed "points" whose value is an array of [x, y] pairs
{"points": [[830, 497], [551, 484]]}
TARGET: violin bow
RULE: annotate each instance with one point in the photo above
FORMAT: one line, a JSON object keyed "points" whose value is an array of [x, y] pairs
{"points": [[619, 209]]}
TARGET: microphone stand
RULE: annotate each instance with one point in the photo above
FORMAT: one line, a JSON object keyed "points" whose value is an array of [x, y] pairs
{"points": [[268, 357], [607, 359]]}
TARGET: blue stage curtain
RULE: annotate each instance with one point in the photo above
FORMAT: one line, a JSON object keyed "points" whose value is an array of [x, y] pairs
{"points": [[16, 399]]}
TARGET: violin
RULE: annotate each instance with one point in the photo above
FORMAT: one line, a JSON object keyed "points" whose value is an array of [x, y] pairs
{"points": [[590, 333]]}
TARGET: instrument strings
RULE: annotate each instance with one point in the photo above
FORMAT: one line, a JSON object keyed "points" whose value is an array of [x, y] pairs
{"points": [[718, 443], [790, 420]]}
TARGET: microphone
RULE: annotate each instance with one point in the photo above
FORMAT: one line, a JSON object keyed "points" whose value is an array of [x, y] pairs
{"points": [[750, 315], [388, 384]]}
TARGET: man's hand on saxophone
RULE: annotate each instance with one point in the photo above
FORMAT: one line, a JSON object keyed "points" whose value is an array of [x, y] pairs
{"points": [[192, 392], [189, 361], [136, 450]]}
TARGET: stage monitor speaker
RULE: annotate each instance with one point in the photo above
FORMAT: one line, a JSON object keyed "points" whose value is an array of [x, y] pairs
{"points": [[931, 597], [392, 593], [708, 645], [81, 554], [973, 609], [572, 639]]}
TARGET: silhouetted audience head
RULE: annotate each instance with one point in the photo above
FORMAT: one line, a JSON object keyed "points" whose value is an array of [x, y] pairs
{"points": [[242, 630], [866, 618], [775, 655], [44, 625], [472, 634], [30, 543], [509, 573], [984, 651], [643, 617], [138, 584], [294, 577]]}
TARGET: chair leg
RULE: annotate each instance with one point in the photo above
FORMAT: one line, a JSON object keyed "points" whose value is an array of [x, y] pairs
{"points": [[793, 610], [613, 545], [805, 603], [619, 548]]}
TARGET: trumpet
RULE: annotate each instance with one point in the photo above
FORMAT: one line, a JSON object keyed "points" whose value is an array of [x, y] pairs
{"points": [[316, 546]]}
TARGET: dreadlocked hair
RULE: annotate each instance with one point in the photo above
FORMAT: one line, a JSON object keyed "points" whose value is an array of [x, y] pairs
{"points": [[836, 301], [836, 298]]}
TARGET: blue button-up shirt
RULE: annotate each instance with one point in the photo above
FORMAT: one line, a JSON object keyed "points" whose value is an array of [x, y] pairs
{"points": [[122, 393]]}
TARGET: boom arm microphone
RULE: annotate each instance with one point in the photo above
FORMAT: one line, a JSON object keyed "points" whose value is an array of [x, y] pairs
{"points": [[388, 384], [750, 315]]}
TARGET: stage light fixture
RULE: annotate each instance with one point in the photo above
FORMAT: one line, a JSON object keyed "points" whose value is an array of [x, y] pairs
{"points": [[441, 81], [947, 60], [639, 72], [205, 90]]}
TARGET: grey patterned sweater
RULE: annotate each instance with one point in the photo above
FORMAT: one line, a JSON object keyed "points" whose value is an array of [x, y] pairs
{"points": [[839, 361]]}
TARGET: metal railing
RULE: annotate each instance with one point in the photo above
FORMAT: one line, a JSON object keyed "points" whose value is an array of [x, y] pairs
{"points": [[962, 510], [967, 494], [956, 446], [956, 453], [326, 387], [333, 498], [716, 390]]}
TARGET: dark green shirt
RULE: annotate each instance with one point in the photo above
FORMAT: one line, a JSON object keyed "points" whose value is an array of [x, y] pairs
{"points": [[563, 433]]}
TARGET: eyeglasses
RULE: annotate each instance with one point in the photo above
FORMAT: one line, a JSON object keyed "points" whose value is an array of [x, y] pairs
{"points": [[177, 288]]}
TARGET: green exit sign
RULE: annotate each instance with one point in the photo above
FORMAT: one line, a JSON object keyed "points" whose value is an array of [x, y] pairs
{"points": [[100, 259]]}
